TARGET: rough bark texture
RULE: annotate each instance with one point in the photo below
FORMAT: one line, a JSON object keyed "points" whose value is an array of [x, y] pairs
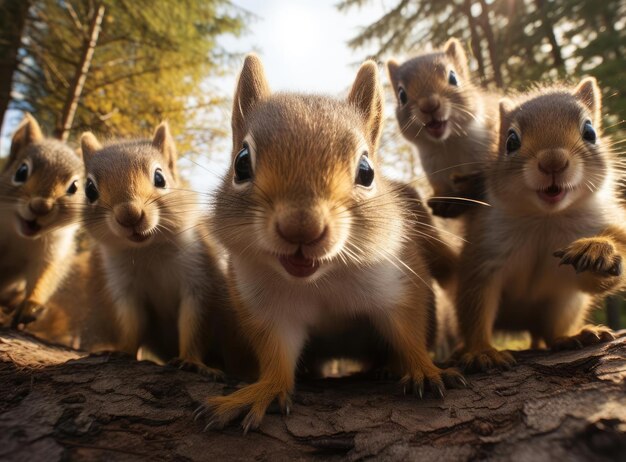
{"points": [[59, 404]]}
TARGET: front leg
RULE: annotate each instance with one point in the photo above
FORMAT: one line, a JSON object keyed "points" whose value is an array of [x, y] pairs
{"points": [[131, 318], [277, 351]]}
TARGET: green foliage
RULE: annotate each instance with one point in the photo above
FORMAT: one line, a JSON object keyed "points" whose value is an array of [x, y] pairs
{"points": [[149, 64]]}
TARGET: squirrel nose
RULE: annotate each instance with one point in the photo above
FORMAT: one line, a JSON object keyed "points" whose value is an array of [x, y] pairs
{"points": [[40, 206], [553, 162], [429, 104], [128, 214], [301, 227]]}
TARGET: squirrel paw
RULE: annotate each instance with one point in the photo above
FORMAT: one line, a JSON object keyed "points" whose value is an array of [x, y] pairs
{"points": [[255, 398], [483, 360], [197, 367], [26, 313], [592, 254], [436, 379], [590, 335]]}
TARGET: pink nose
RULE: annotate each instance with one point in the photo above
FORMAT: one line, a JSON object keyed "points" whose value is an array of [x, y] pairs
{"points": [[301, 227]]}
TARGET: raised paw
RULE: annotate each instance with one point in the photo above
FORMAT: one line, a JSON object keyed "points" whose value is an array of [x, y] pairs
{"points": [[590, 335], [435, 380], [198, 367], [596, 255], [484, 360], [26, 313]]}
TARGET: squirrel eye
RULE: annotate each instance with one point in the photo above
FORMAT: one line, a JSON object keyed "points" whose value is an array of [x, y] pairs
{"points": [[452, 80], [365, 172], [21, 175], [159, 179], [513, 142], [91, 191], [589, 134], [402, 97], [73, 188], [243, 165]]}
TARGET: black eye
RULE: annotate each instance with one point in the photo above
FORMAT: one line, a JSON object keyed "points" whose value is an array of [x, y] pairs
{"points": [[159, 179], [589, 134], [243, 165], [73, 188], [365, 172], [513, 142], [452, 79], [91, 191], [21, 175], [402, 96]]}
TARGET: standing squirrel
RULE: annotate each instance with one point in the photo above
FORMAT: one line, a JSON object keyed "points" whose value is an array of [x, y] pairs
{"points": [[161, 270], [554, 240], [450, 122], [316, 237], [39, 215]]}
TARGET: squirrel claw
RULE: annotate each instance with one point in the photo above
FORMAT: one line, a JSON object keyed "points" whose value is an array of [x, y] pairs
{"points": [[590, 335], [484, 360]]}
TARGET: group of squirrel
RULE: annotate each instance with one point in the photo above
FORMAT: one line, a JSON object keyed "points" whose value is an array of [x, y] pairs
{"points": [[307, 252]]}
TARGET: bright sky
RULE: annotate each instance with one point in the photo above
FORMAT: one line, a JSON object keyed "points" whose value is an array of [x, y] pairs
{"points": [[303, 45]]}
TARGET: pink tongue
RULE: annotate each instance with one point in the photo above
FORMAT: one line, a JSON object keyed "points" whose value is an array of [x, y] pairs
{"points": [[298, 265]]}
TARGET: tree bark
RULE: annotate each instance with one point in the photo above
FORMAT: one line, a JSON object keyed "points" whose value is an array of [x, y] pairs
{"points": [[12, 26], [548, 30], [476, 48], [496, 62], [62, 131], [61, 404]]}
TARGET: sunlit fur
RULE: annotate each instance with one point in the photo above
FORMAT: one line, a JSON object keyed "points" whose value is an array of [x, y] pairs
{"points": [[510, 276], [165, 286], [470, 115], [305, 154], [41, 257]]}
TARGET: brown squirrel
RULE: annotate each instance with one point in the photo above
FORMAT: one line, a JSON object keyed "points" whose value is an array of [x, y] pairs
{"points": [[316, 237], [39, 215], [553, 242], [161, 268], [449, 120]]}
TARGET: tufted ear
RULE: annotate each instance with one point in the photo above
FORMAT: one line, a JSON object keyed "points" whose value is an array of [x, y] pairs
{"points": [[393, 70], [454, 50], [588, 93], [252, 87], [163, 142], [28, 132], [89, 145], [367, 96], [507, 106]]}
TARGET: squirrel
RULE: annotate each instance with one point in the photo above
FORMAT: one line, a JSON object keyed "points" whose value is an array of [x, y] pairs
{"points": [[161, 268], [316, 237], [39, 215], [554, 240], [449, 120]]}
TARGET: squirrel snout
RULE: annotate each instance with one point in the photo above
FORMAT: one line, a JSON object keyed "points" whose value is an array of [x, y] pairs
{"points": [[429, 104], [301, 227], [40, 206], [128, 214], [552, 162]]}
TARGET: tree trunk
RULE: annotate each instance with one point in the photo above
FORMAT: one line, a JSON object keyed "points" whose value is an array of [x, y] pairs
{"points": [[59, 404], [12, 24], [64, 126], [496, 63], [476, 48], [548, 30]]}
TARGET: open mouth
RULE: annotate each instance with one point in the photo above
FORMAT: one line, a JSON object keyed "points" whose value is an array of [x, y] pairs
{"points": [[552, 194], [139, 237], [436, 128], [29, 227], [298, 265]]}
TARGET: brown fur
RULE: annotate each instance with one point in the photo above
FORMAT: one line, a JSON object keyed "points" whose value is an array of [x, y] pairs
{"points": [[538, 267], [304, 151]]}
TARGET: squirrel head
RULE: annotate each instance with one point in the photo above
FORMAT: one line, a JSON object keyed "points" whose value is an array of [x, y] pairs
{"points": [[435, 98], [132, 191], [40, 182], [550, 149], [304, 190]]}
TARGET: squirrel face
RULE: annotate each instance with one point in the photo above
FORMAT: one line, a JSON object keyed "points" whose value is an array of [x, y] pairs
{"points": [[40, 183], [132, 191], [434, 94], [303, 192], [550, 151]]}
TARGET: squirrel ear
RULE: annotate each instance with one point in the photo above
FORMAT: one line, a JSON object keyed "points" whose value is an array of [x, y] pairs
{"points": [[454, 50], [366, 95], [507, 106], [588, 93], [164, 143], [89, 144], [28, 132], [392, 70], [252, 86]]}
